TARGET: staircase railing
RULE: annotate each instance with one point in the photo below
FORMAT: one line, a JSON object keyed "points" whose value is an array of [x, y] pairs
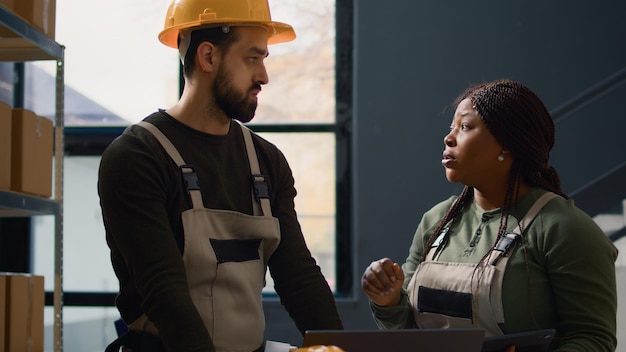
{"points": [[608, 189], [588, 96]]}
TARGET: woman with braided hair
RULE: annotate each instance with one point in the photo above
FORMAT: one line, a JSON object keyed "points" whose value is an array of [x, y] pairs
{"points": [[512, 252]]}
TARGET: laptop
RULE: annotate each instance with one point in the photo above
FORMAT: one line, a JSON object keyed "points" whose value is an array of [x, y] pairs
{"points": [[527, 341], [445, 340]]}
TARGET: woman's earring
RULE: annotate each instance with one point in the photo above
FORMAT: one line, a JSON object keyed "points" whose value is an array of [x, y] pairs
{"points": [[501, 157]]}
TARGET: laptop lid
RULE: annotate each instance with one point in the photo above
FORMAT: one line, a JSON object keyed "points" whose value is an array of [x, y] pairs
{"points": [[449, 340], [527, 341]]}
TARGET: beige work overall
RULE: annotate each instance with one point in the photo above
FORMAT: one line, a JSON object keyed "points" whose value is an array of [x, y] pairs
{"points": [[462, 295], [225, 256]]}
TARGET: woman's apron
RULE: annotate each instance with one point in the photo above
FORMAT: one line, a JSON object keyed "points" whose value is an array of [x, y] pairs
{"points": [[464, 295], [225, 256]]}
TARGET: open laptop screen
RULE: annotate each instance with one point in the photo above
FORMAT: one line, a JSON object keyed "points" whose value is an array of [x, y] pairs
{"points": [[449, 340]]}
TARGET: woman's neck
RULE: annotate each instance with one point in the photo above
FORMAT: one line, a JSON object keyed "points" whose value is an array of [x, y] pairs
{"points": [[489, 199]]}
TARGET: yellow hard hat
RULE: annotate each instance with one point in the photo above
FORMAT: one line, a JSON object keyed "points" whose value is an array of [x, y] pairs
{"points": [[186, 14]]}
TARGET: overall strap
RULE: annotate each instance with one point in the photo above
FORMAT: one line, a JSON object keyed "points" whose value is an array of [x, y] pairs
{"points": [[500, 254], [260, 194], [437, 247], [188, 171]]}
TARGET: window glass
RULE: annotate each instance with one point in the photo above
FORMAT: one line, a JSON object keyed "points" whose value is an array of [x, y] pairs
{"points": [[311, 157], [6, 82], [302, 72], [85, 329], [117, 72], [86, 262]]}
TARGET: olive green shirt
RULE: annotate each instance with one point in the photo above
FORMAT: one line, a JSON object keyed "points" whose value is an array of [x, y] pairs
{"points": [[561, 276]]}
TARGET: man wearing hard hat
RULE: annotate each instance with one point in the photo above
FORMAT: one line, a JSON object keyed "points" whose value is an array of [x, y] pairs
{"points": [[196, 207]]}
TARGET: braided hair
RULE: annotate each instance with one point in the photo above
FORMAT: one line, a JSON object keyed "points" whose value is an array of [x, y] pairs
{"points": [[518, 120]]}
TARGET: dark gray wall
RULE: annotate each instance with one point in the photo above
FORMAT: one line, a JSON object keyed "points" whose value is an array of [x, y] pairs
{"points": [[412, 58]]}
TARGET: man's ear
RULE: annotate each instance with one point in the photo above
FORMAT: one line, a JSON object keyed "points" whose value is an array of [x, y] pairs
{"points": [[206, 56]]}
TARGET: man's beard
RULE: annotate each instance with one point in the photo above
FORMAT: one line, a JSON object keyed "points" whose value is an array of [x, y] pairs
{"points": [[236, 105]]}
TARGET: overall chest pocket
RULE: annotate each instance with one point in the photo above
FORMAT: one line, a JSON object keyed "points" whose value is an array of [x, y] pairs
{"points": [[236, 250]]}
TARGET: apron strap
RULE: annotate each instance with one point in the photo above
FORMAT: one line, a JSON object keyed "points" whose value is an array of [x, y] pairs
{"points": [[188, 171], [437, 247], [260, 194], [504, 245], [165, 142], [499, 255]]}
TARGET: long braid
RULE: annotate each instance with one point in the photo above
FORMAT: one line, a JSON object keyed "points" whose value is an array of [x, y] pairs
{"points": [[454, 210], [512, 189]]}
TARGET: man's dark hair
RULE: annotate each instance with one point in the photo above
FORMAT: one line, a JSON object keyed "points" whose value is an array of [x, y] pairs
{"points": [[216, 35]]}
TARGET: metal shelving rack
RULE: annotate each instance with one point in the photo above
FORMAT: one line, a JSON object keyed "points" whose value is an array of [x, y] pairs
{"points": [[30, 44]]}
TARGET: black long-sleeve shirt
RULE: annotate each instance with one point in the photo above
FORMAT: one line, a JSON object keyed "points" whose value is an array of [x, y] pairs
{"points": [[142, 198]]}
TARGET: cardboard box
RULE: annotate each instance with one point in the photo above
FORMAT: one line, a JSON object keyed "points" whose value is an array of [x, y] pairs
{"points": [[31, 153], [8, 4], [3, 311], [24, 312], [5, 146], [41, 14], [5, 32]]}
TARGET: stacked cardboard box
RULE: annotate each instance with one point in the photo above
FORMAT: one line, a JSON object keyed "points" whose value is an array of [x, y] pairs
{"points": [[8, 4], [41, 14], [21, 312], [26, 149], [5, 146], [31, 153]]}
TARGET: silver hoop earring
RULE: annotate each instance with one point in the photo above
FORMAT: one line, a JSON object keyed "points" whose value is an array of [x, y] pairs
{"points": [[501, 157]]}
